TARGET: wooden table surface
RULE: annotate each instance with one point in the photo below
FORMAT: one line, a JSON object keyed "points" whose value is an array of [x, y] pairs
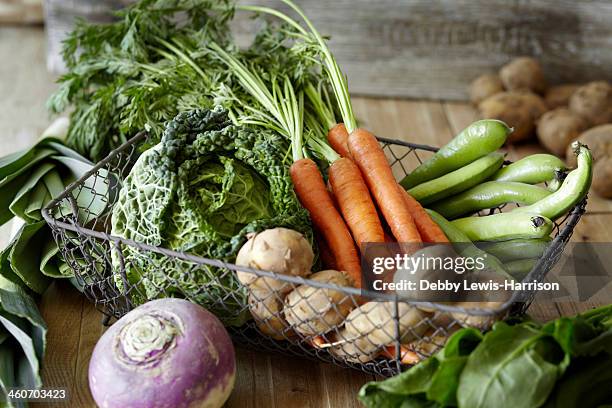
{"points": [[263, 380]]}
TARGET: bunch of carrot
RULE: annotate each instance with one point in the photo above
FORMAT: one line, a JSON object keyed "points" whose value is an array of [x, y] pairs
{"points": [[361, 180], [360, 176]]}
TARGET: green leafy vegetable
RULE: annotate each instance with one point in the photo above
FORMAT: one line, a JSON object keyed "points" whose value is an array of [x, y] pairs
{"points": [[564, 363], [506, 354], [202, 189], [129, 76], [29, 180], [22, 341]]}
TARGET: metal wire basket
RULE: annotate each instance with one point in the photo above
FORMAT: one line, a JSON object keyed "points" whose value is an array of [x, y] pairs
{"points": [[370, 331]]}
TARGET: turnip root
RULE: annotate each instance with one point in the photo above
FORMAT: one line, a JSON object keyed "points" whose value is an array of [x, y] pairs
{"points": [[559, 96], [593, 102], [279, 250], [165, 353], [375, 320], [267, 309], [482, 322], [428, 346], [312, 311], [484, 86], [557, 128], [372, 326], [520, 110], [523, 73], [355, 348]]}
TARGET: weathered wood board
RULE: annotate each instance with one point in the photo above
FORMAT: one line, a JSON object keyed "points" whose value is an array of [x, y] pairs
{"points": [[21, 11], [435, 48]]}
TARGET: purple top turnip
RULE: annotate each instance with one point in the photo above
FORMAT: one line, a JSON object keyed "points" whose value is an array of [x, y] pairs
{"points": [[166, 353]]}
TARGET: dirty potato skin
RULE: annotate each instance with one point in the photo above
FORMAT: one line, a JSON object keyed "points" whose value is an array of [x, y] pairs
{"points": [[599, 140], [519, 109], [485, 86], [559, 96], [593, 101], [557, 128], [523, 73]]}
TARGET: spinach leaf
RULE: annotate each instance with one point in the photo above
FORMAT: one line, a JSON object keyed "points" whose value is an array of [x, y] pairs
{"points": [[508, 359], [432, 383], [520, 363], [404, 390], [453, 358], [585, 384]]}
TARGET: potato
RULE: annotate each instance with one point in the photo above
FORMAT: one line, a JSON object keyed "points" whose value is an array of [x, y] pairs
{"points": [[484, 86], [312, 311], [523, 73], [519, 110], [266, 308], [559, 96], [602, 176], [557, 128], [279, 250], [593, 101], [599, 140], [375, 320]]}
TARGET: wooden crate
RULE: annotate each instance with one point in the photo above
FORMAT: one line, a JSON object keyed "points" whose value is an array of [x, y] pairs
{"points": [[21, 11], [434, 48]]}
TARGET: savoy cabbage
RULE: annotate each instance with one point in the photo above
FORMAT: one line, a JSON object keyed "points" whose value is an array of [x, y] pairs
{"points": [[201, 190]]}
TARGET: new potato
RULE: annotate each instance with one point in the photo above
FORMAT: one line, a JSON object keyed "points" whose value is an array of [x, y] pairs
{"points": [[519, 109], [599, 140], [593, 101], [524, 73], [485, 86], [558, 96], [557, 128]]}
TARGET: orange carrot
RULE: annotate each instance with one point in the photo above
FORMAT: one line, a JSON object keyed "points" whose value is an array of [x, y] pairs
{"points": [[355, 202], [428, 229], [310, 189], [327, 258], [338, 140], [376, 171], [388, 238]]}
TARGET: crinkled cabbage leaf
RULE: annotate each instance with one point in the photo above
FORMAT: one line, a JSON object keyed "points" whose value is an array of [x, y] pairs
{"points": [[201, 190]]}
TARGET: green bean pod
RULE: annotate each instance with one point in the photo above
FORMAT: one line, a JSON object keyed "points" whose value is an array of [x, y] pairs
{"points": [[508, 251], [466, 247], [477, 140], [458, 180], [534, 169], [490, 194], [505, 226], [520, 268], [574, 188]]}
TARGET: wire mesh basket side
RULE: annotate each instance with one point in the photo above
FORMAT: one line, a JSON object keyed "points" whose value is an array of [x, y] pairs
{"points": [[340, 331]]}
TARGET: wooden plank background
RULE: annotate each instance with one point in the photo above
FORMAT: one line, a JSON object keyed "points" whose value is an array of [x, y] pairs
{"points": [[431, 48], [21, 11], [263, 379]]}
